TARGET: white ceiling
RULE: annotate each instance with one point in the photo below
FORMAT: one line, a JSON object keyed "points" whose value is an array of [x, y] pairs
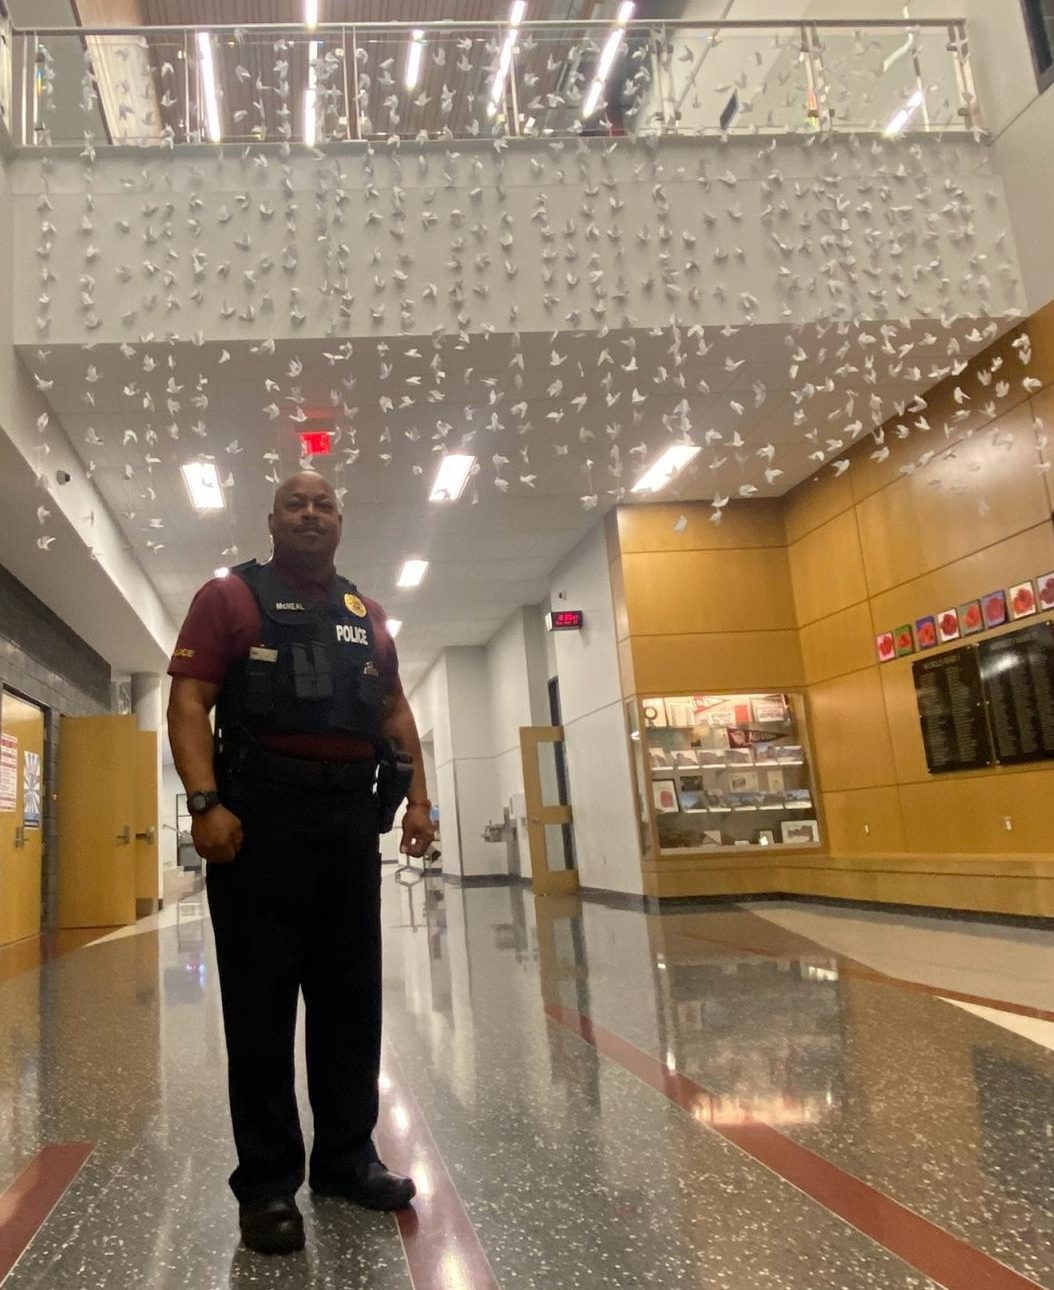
{"points": [[493, 550]]}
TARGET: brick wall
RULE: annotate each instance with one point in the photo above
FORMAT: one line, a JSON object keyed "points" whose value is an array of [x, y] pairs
{"points": [[42, 660]]}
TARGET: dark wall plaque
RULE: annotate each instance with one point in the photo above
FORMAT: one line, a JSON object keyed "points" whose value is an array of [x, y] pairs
{"points": [[951, 708], [1018, 674]]}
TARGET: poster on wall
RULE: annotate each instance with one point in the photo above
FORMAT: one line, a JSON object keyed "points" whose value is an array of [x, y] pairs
{"points": [[951, 709], [8, 772], [31, 790], [1018, 673]]}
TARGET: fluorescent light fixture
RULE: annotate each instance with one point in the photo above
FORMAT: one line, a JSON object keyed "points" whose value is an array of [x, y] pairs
{"points": [[592, 99], [203, 484], [208, 86], [221, 572], [607, 58], [667, 468], [394, 626], [413, 58], [412, 573], [452, 476], [900, 119], [311, 13], [497, 90], [311, 96]]}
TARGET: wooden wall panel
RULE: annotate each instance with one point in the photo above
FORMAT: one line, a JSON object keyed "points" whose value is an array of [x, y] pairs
{"points": [[708, 591], [988, 491], [1023, 555], [827, 570], [717, 661], [850, 737], [744, 524], [967, 814], [843, 643], [866, 821], [815, 502]]}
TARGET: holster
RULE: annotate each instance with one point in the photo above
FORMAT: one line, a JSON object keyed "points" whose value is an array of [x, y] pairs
{"points": [[395, 771]]}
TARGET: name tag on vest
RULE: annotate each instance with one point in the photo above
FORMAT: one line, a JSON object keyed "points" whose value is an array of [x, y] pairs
{"points": [[352, 635]]}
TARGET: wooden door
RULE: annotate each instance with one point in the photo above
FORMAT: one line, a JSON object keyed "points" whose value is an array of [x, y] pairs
{"points": [[97, 792], [545, 879], [21, 817], [146, 823]]}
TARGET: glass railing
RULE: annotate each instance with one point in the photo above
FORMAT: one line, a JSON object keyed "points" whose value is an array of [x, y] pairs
{"points": [[177, 86]]}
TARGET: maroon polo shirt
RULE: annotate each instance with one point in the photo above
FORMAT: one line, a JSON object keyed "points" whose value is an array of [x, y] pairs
{"points": [[224, 622]]}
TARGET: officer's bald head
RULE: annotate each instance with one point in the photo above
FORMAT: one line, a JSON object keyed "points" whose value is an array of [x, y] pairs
{"points": [[312, 479]]}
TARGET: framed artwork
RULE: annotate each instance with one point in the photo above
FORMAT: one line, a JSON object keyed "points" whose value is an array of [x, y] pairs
{"points": [[664, 795], [1022, 600], [654, 712], [685, 759], [743, 781], [926, 632], [659, 758], [1045, 591], [769, 707], [766, 838], [713, 838], [993, 607], [885, 647], [905, 640], [948, 626], [692, 800], [800, 831], [971, 618]]}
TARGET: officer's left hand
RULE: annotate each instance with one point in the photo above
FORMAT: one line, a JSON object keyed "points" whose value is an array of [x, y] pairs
{"points": [[418, 831]]}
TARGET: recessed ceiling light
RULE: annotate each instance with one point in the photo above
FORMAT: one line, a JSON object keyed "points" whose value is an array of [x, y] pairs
{"points": [[412, 573], [203, 484], [221, 572], [451, 477], [394, 626], [667, 468]]}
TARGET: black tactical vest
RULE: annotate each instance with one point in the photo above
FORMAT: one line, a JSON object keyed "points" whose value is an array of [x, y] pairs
{"points": [[313, 671]]}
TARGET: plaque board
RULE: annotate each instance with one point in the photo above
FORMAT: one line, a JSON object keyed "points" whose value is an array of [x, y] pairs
{"points": [[1018, 674], [951, 708]]}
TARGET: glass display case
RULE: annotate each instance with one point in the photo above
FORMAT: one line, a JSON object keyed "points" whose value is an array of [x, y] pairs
{"points": [[726, 770]]}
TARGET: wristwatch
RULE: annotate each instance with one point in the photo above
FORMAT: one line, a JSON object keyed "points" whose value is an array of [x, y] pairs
{"points": [[201, 803]]}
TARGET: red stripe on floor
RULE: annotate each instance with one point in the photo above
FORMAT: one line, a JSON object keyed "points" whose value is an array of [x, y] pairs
{"points": [[442, 1248], [33, 1195], [920, 1243]]}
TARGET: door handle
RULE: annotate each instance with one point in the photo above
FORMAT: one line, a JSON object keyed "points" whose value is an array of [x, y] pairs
{"points": [[125, 835], [20, 835], [149, 836]]}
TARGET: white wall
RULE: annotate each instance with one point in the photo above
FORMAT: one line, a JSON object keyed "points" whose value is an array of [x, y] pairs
{"points": [[598, 763]]}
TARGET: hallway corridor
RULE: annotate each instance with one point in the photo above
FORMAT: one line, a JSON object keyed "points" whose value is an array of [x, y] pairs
{"points": [[776, 1095]]}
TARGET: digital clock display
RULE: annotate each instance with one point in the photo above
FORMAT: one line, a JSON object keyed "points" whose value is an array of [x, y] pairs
{"points": [[565, 620]]}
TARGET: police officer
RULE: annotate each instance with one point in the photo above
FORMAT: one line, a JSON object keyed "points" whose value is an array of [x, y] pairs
{"points": [[304, 678]]}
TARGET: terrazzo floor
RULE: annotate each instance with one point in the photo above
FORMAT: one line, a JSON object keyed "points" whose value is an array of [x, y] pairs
{"points": [[544, 1160]]}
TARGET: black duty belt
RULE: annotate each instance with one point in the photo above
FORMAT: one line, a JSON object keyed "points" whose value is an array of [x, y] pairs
{"points": [[302, 772]]}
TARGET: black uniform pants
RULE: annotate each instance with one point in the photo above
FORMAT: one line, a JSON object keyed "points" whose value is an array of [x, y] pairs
{"points": [[299, 909]]}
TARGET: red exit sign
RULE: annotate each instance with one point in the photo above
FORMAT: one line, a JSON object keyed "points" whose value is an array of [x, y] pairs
{"points": [[565, 620], [316, 443]]}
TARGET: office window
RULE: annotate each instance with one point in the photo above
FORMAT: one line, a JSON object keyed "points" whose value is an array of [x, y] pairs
{"points": [[1039, 21]]}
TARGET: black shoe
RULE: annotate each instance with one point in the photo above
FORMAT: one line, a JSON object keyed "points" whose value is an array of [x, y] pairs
{"points": [[379, 1189], [272, 1226]]}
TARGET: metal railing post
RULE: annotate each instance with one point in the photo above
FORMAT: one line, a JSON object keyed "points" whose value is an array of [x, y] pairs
{"points": [[186, 86], [815, 77], [959, 46], [354, 82]]}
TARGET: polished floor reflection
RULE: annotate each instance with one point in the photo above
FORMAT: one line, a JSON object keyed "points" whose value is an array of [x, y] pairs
{"points": [[776, 1095]]}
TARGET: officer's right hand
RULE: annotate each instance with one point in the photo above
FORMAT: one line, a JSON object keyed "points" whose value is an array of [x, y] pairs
{"points": [[217, 835]]}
